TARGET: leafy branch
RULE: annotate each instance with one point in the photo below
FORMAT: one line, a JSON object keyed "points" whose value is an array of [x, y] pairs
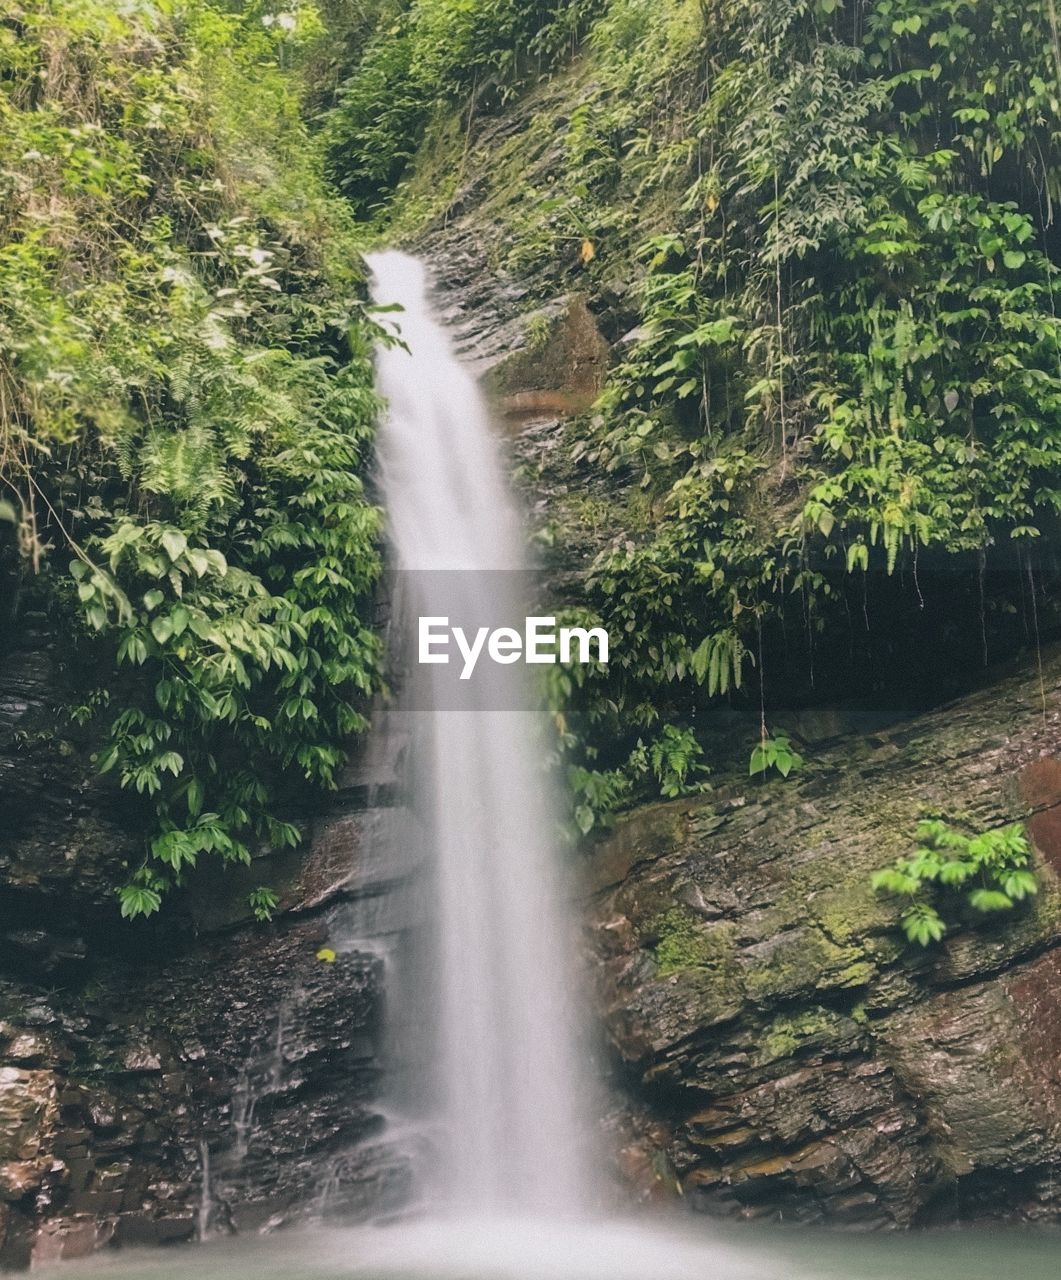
{"points": [[952, 875]]}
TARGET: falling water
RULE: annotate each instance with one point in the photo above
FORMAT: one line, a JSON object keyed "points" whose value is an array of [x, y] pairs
{"points": [[206, 1199], [508, 1072]]}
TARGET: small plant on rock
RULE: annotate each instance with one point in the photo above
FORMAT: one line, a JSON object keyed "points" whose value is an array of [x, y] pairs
{"points": [[674, 759], [774, 753], [950, 872]]}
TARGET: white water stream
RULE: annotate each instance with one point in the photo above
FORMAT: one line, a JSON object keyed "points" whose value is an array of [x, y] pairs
{"points": [[508, 1071]]}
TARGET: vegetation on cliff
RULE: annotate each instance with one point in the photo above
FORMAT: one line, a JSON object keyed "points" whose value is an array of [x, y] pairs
{"points": [[420, 59], [185, 393], [951, 873], [825, 227], [841, 387]]}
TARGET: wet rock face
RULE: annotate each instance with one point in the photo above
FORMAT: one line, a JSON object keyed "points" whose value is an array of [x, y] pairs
{"points": [[202, 1073], [799, 1059], [28, 1110], [63, 835], [560, 371], [215, 1090]]}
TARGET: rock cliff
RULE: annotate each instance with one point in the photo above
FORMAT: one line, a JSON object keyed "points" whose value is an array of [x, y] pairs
{"points": [[159, 1082], [775, 1050], [793, 1056]]}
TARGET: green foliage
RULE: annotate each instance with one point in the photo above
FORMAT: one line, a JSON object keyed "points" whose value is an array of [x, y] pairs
{"points": [[138, 900], [774, 753], [846, 356], [841, 287], [846, 353], [847, 348], [263, 902], [185, 395], [539, 331], [375, 127], [670, 765], [674, 758], [597, 795], [951, 874], [718, 662], [423, 59]]}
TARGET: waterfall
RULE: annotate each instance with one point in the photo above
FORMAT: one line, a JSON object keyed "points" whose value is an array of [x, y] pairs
{"points": [[505, 1059], [493, 988]]}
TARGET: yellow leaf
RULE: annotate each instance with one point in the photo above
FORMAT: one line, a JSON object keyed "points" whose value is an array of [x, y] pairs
{"points": [[327, 956], [588, 252], [712, 203]]}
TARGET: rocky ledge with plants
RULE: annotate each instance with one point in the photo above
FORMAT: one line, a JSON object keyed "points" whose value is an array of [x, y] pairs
{"points": [[187, 562]]}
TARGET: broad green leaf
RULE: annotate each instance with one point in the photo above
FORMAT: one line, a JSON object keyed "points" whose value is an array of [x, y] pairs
{"points": [[174, 543]]}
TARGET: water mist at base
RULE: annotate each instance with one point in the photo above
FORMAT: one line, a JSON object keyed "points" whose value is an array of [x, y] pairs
{"points": [[542, 1249]]}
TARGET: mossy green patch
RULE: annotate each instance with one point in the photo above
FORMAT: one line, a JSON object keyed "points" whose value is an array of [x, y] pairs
{"points": [[800, 961], [790, 1032], [435, 179], [684, 942]]}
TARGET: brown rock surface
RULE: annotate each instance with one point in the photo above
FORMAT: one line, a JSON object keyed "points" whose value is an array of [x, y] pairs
{"points": [[758, 995], [128, 1052]]}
